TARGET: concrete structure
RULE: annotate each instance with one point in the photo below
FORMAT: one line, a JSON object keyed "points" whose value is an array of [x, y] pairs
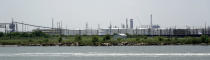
{"points": [[137, 31], [131, 23], [142, 30]]}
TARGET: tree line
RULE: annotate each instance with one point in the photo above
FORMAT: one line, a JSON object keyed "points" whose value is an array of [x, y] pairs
{"points": [[39, 38]]}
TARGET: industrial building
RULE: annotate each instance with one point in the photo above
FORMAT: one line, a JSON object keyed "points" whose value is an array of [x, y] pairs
{"points": [[138, 31], [127, 28]]}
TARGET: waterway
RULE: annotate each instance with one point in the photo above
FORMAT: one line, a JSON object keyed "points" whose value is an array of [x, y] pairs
{"points": [[177, 52]]}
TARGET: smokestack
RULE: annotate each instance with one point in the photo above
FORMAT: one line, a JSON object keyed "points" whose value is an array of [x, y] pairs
{"points": [[151, 21], [151, 30], [126, 23], [131, 23]]}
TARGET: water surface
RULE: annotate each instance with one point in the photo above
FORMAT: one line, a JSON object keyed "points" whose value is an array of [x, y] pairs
{"points": [[181, 52]]}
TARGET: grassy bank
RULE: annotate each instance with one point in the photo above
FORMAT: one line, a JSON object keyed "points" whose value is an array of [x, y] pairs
{"points": [[41, 39]]}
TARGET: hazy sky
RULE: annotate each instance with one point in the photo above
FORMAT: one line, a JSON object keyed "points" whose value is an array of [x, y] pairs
{"points": [[75, 13]]}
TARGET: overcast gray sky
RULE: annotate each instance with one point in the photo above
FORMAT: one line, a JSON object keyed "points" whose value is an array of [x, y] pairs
{"points": [[75, 13]]}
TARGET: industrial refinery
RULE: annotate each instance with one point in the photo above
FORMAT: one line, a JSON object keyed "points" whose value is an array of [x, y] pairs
{"points": [[127, 28]]}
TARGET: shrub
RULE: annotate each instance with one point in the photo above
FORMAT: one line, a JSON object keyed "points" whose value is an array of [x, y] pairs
{"points": [[60, 39], [40, 42], [208, 39], [13, 34], [1, 34], [95, 39], [24, 34], [47, 40], [119, 39], [204, 38], [128, 35], [145, 37], [78, 38], [131, 40], [159, 38], [38, 33], [87, 42], [137, 39], [196, 40], [188, 40], [114, 42], [107, 37], [152, 41], [30, 40]]}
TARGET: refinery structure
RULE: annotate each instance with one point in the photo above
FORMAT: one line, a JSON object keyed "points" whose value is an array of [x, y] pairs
{"points": [[127, 28]]}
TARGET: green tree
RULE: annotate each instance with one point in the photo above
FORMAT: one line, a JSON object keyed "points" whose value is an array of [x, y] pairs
{"points": [[95, 40], [38, 33], [204, 38], [1, 34], [14, 34], [30, 40], [145, 37], [78, 38], [24, 34], [137, 39], [107, 37], [60, 39], [188, 40], [47, 40]]}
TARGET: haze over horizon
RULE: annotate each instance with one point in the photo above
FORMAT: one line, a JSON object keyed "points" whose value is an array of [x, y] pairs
{"points": [[76, 13]]}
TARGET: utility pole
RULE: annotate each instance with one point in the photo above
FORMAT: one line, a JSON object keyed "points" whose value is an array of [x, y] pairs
{"points": [[98, 29], [126, 25], [61, 28], [53, 31], [110, 28], [52, 23], [5, 26], [118, 30], [79, 31], [22, 27], [170, 33], [205, 33], [91, 31], [25, 29], [186, 31], [57, 29], [86, 28], [205, 29], [12, 26], [16, 25], [66, 31], [136, 31]]}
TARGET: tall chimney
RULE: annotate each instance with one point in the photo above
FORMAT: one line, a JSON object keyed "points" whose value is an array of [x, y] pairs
{"points": [[151, 21], [126, 23], [131, 23]]}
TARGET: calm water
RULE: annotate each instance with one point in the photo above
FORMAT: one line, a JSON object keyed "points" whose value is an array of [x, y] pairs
{"points": [[106, 53]]}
